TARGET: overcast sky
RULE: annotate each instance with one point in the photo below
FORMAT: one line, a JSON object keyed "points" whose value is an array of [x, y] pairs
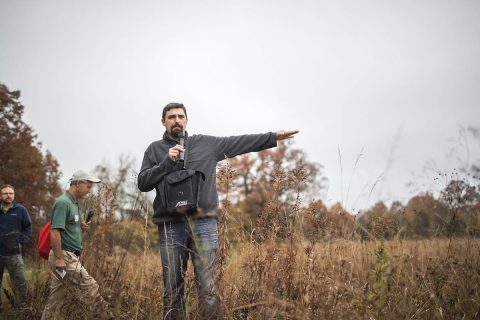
{"points": [[392, 81]]}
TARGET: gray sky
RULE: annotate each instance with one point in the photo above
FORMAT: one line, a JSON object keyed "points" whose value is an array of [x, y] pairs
{"points": [[391, 80]]}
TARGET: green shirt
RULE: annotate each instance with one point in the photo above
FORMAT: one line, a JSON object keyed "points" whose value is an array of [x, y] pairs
{"points": [[3, 209], [66, 217]]}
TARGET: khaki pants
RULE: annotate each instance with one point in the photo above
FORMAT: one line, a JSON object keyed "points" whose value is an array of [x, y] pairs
{"points": [[76, 287]]}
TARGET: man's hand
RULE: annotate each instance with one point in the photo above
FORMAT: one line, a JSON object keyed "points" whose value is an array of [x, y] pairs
{"points": [[282, 135], [174, 152], [85, 226], [60, 264]]}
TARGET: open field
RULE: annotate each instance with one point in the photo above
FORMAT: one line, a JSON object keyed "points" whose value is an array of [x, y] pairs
{"points": [[337, 279]]}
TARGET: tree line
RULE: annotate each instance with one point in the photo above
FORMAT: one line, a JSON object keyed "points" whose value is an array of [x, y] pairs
{"points": [[261, 191]]}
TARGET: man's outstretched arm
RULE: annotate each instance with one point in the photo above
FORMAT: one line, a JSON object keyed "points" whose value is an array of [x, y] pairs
{"points": [[237, 145]]}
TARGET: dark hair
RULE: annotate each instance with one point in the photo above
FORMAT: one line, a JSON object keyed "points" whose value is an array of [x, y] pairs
{"points": [[7, 186], [173, 105]]}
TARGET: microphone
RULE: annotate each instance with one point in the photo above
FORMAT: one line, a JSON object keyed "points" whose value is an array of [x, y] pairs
{"points": [[89, 215], [181, 141]]}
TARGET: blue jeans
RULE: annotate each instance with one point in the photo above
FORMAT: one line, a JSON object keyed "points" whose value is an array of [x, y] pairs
{"points": [[197, 239], [16, 269]]}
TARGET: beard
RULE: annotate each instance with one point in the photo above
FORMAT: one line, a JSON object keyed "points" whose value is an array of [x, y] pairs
{"points": [[7, 201], [176, 131]]}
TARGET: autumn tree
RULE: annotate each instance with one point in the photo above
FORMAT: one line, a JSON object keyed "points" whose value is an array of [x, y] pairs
{"points": [[342, 222], [315, 221], [463, 200], [269, 175], [380, 222], [121, 195], [23, 164], [256, 171]]}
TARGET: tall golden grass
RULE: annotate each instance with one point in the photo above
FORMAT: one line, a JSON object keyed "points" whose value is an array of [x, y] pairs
{"points": [[264, 276], [336, 279]]}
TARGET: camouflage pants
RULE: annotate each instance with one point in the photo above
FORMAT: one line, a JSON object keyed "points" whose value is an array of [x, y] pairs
{"points": [[16, 269], [77, 288]]}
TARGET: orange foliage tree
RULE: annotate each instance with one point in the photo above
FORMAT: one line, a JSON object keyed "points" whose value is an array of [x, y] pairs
{"points": [[33, 173], [263, 177]]}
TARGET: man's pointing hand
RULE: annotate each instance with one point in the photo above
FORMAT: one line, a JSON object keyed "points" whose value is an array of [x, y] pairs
{"points": [[282, 135]]}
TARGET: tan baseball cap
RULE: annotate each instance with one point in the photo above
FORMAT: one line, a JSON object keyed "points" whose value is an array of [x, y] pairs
{"points": [[82, 175]]}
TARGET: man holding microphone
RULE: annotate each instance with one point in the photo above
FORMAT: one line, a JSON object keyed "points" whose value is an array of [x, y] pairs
{"points": [[191, 233]]}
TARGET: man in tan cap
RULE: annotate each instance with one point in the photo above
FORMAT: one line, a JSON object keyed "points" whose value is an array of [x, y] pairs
{"points": [[70, 279]]}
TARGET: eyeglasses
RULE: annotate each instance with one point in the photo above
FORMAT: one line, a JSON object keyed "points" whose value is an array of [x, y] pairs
{"points": [[7, 193]]}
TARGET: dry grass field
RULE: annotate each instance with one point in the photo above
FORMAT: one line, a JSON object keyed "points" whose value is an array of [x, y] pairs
{"points": [[294, 264], [337, 279]]}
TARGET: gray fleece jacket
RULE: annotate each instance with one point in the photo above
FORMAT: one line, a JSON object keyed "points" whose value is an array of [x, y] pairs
{"points": [[202, 154]]}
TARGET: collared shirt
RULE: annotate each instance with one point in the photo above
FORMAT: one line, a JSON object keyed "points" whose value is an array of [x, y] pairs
{"points": [[66, 218], [3, 209]]}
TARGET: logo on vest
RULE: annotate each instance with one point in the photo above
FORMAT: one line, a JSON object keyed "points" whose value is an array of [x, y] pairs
{"points": [[181, 203]]}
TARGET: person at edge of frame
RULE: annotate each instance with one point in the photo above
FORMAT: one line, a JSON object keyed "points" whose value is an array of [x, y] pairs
{"points": [[15, 230]]}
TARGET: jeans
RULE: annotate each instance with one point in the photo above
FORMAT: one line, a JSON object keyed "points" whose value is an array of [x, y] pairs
{"points": [[16, 269], [197, 239]]}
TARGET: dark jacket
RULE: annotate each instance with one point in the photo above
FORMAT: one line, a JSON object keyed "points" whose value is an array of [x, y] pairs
{"points": [[15, 228], [202, 154]]}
